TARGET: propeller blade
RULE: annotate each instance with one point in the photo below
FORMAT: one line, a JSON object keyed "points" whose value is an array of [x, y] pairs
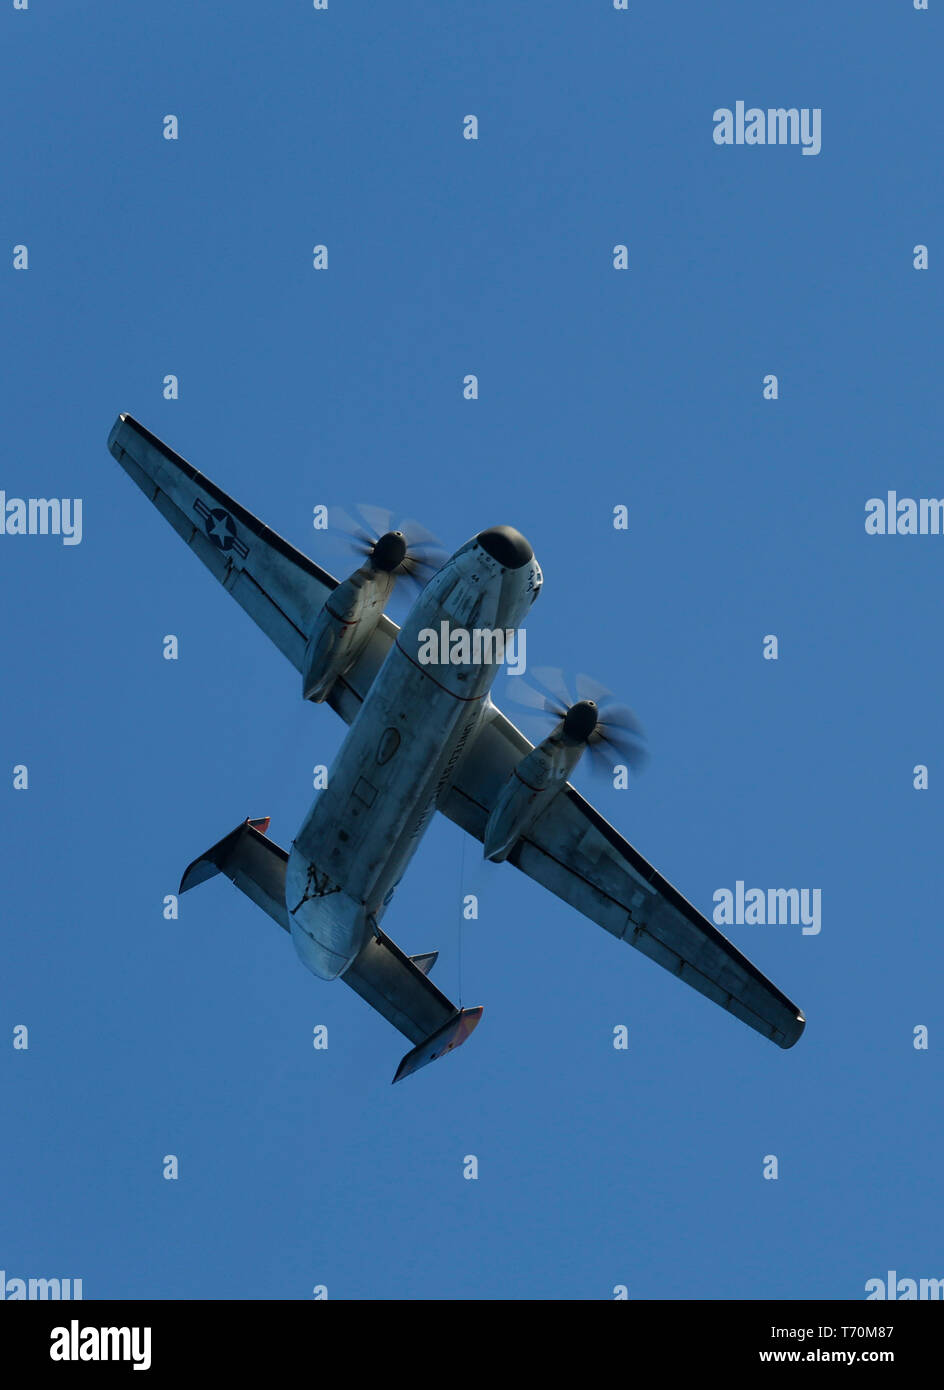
{"points": [[363, 527], [599, 759], [622, 718], [552, 679], [352, 533], [425, 554], [618, 737], [376, 520], [418, 538], [626, 747], [589, 689], [530, 698]]}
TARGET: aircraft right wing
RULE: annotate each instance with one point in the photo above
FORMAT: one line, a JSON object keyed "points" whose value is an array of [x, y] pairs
{"points": [[576, 854]]}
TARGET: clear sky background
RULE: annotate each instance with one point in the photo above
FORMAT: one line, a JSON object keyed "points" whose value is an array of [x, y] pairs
{"points": [[597, 388]]}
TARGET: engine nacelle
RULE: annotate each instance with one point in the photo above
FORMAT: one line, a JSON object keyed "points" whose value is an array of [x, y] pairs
{"points": [[530, 789], [343, 628]]}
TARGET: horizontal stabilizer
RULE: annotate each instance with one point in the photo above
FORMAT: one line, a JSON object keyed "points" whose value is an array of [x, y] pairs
{"points": [[255, 864], [397, 986], [452, 1035]]}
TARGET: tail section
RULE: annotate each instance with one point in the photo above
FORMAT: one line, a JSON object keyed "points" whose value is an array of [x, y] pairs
{"points": [[395, 984], [398, 986], [255, 863]]}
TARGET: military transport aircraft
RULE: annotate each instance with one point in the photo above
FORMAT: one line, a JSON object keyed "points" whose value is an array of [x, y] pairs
{"points": [[423, 737]]}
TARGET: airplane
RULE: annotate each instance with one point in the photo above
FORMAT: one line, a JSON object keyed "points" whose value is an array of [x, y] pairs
{"points": [[423, 738]]}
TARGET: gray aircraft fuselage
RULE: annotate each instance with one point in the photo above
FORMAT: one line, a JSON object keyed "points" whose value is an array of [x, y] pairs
{"points": [[400, 754]]}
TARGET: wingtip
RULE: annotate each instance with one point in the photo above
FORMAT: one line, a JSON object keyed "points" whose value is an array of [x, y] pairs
{"points": [[113, 446], [801, 1025]]}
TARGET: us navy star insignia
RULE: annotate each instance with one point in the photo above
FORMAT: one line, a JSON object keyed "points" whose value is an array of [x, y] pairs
{"points": [[220, 528]]}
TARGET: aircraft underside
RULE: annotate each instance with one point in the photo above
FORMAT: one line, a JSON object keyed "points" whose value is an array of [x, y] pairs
{"points": [[425, 738]]}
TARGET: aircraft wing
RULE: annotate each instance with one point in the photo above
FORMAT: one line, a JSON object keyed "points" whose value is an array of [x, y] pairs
{"points": [[279, 587], [572, 850]]}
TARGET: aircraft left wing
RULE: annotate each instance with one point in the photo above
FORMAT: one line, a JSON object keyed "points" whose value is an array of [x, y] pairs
{"points": [[279, 587], [575, 853]]}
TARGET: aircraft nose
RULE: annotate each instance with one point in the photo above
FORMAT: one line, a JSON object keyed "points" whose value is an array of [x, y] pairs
{"points": [[506, 545]]}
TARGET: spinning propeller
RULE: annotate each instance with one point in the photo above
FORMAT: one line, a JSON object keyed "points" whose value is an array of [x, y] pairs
{"points": [[610, 731], [406, 551]]}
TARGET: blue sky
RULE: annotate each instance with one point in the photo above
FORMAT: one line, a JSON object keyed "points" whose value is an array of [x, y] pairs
{"points": [[446, 257]]}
